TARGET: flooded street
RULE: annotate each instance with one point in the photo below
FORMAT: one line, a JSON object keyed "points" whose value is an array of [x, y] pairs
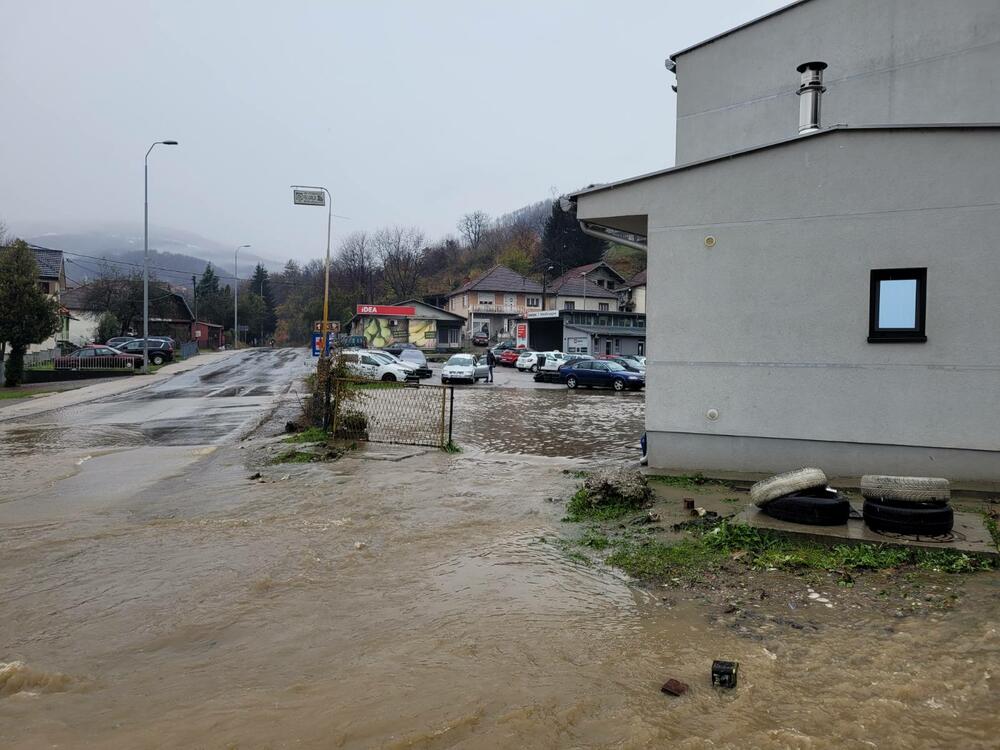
{"points": [[153, 596]]}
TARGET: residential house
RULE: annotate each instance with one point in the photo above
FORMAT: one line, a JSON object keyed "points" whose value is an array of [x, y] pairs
{"points": [[494, 301], [429, 327], [634, 293], [82, 318], [52, 281], [589, 287], [826, 295]]}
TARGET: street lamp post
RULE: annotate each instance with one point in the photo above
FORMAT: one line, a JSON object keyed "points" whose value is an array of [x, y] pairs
{"points": [[145, 256], [236, 297], [326, 283]]}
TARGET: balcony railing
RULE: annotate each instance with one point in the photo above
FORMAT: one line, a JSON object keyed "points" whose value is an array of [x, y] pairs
{"points": [[500, 309]]}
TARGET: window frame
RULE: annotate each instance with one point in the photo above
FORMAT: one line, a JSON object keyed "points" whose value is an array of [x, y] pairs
{"points": [[915, 335]]}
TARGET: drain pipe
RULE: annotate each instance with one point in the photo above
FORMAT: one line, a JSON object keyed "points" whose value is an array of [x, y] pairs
{"points": [[811, 96], [602, 232]]}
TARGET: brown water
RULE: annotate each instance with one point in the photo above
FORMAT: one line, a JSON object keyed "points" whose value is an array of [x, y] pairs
{"points": [[422, 603]]}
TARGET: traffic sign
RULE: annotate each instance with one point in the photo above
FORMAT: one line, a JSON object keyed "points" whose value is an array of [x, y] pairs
{"points": [[309, 197], [317, 343]]}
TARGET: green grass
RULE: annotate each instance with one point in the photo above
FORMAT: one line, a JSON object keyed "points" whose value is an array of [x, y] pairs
{"points": [[579, 509], [763, 550], [50, 365], [683, 481], [295, 457], [311, 435], [990, 519], [8, 393], [452, 447]]}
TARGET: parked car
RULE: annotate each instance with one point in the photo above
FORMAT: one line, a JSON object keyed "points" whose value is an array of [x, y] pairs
{"points": [[509, 358], [398, 347], [527, 361], [479, 338], [416, 357], [66, 347], [627, 362], [160, 351], [502, 347], [596, 373], [97, 357], [353, 342], [550, 363], [384, 356], [464, 367], [171, 341], [368, 366], [118, 341]]}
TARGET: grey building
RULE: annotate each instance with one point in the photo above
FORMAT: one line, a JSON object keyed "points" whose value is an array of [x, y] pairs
{"points": [[579, 331], [825, 291]]}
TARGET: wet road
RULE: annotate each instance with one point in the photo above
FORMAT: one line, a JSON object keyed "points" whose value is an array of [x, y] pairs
{"points": [[154, 596]]}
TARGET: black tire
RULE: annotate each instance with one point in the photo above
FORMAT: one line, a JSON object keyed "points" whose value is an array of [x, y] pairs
{"points": [[910, 520], [444, 381], [388, 378], [157, 359], [618, 385], [533, 368], [571, 382], [818, 507]]}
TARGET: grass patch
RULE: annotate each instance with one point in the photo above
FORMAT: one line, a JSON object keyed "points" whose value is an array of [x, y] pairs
{"points": [[295, 457], [311, 435], [990, 516], [452, 447], [47, 366], [681, 481], [10, 393], [758, 548], [579, 508]]}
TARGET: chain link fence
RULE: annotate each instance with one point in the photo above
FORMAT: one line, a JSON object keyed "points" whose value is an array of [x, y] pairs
{"points": [[390, 412]]}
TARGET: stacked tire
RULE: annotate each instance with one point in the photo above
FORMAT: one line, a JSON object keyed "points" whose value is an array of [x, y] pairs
{"points": [[907, 505], [801, 496]]}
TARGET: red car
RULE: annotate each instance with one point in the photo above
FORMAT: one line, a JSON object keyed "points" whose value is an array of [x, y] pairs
{"points": [[509, 357], [97, 357]]}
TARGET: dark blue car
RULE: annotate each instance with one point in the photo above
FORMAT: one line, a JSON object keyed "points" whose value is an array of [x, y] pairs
{"points": [[597, 373]]}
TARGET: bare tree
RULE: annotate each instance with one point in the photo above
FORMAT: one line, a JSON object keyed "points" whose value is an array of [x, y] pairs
{"points": [[401, 253], [357, 261], [473, 227]]}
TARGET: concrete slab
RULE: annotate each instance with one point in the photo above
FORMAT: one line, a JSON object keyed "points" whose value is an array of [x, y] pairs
{"points": [[969, 535]]}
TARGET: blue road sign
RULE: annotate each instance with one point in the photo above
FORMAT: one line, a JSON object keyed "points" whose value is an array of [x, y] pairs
{"points": [[317, 342]]}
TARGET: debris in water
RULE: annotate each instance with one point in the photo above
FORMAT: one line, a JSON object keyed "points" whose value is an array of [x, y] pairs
{"points": [[360, 545], [255, 475], [813, 595], [284, 477], [724, 673], [674, 687], [85, 458]]}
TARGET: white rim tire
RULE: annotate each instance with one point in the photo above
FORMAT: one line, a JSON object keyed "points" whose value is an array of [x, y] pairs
{"points": [[779, 485], [913, 489]]}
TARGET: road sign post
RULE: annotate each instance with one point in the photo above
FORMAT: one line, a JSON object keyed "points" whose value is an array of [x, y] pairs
{"points": [[309, 195]]}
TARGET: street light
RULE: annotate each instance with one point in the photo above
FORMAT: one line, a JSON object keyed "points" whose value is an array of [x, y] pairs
{"points": [[236, 297], [145, 257]]}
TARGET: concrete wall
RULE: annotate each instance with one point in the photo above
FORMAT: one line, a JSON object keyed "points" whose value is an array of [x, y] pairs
{"points": [[585, 303], [769, 326], [891, 62]]}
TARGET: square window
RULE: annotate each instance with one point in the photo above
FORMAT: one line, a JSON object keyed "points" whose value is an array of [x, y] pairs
{"points": [[569, 305], [897, 306], [602, 306]]}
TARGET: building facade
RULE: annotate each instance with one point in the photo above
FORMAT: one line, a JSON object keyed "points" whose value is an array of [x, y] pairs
{"points": [[492, 303], [842, 313], [584, 332]]}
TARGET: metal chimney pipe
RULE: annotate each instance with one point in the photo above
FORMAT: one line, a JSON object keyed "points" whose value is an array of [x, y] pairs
{"points": [[811, 93]]}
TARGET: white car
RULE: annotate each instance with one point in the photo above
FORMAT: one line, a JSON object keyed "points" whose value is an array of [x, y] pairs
{"points": [[410, 368], [464, 367], [369, 366], [527, 362], [552, 361]]}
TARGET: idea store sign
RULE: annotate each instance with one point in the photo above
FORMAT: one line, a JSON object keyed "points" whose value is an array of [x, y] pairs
{"points": [[386, 311]]}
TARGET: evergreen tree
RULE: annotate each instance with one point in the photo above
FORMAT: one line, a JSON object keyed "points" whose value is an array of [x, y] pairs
{"points": [[565, 243], [260, 284], [27, 314]]}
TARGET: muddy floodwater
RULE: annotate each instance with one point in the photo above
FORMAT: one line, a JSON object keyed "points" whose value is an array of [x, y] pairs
{"points": [[155, 596]]}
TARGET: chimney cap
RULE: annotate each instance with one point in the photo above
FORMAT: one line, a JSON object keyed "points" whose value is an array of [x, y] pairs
{"points": [[816, 65]]}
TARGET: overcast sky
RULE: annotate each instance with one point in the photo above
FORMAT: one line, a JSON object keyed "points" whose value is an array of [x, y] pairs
{"points": [[409, 112]]}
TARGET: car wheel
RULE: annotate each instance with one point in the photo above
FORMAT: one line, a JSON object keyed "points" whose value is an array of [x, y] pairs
{"points": [[157, 359], [571, 382], [389, 378], [444, 380], [534, 368], [619, 385]]}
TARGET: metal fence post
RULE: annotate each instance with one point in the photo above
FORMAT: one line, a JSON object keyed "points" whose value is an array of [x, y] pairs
{"points": [[451, 413], [336, 404]]}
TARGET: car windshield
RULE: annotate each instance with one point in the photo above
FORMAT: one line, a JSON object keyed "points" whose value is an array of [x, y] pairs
{"points": [[412, 355], [461, 360], [383, 357], [615, 367]]}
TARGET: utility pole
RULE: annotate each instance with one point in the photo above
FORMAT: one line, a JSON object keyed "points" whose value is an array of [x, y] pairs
{"points": [[236, 297], [262, 308], [194, 299], [145, 256]]}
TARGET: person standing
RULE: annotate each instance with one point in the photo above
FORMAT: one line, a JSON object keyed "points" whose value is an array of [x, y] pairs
{"points": [[491, 362]]}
